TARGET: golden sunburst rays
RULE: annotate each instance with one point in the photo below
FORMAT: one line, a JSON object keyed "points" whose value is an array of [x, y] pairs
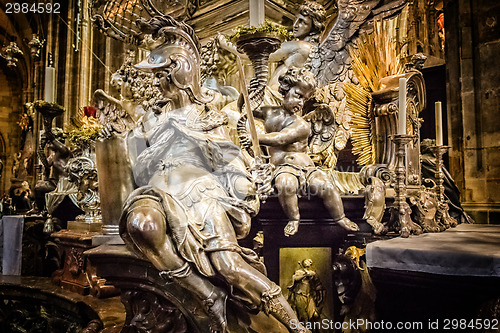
{"points": [[377, 55], [359, 102]]}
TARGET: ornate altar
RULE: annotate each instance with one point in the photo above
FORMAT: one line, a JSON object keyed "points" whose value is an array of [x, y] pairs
{"points": [[186, 172]]}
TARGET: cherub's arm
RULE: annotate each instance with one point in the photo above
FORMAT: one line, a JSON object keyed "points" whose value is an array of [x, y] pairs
{"points": [[57, 145], [259, 113], [293, 133], [290, 49], [265, 112]]}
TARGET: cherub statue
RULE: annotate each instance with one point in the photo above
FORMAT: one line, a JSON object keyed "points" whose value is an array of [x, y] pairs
{"points": [[195, 198], [327, 57], [54, 166], [308, 25], [287, 135]]}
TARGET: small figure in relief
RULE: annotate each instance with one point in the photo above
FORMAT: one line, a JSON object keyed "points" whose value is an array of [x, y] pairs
{"points": [[287, 134], [306, 294]]}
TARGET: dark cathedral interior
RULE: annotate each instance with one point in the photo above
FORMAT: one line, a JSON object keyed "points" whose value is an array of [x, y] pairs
{"points": [[253, 166]]}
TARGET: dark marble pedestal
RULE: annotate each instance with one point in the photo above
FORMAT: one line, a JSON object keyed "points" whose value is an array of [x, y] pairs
{"points": [[316, 230]]}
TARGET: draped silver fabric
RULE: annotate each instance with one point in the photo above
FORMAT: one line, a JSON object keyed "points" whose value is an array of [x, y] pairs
{"points": [[12, 240]]}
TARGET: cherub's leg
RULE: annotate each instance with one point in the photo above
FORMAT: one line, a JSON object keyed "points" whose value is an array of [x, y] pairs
{"points": [[320, 184], [287, 186], [146, 227], [257, 287]]}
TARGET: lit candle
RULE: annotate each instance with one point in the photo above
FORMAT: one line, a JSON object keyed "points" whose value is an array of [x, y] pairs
{"points": [[439, 124], [402, 106], [256, 13], [50, 80]]}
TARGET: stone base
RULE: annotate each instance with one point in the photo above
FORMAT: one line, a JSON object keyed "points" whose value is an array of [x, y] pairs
{"points": [[78, 274], [79, 226], [107, 239]]}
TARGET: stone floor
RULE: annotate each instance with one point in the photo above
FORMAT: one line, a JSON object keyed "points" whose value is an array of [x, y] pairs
{"points": [[111, 311]]}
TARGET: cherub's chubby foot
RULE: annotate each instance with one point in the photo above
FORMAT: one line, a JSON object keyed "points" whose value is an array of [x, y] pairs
{"points": [[215, 306], [291, 228], [348, 224]]}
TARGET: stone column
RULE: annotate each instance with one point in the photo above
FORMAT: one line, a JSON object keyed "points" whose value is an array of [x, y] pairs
{"points": [[472, 47]]}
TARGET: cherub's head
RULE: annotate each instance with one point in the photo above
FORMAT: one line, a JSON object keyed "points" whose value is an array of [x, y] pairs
{"points": [[310, 21], [297, 86]]}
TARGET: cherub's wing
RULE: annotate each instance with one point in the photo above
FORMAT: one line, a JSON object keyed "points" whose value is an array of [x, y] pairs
{"points": [[330, 61], [339, 132], [323, 130], [110, 113]]}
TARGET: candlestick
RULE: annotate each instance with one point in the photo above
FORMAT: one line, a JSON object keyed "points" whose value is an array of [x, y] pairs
{"points": [[442, 215], [402, 106], [439, 123], [400, 211]]}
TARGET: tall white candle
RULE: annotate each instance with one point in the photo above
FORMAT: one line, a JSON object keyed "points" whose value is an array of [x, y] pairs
{"points": [[402, 106], [439, 123], [256, 12], [50, 84]]}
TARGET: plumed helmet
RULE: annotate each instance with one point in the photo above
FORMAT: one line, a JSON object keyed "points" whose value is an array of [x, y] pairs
{"points": [[175, 51]]}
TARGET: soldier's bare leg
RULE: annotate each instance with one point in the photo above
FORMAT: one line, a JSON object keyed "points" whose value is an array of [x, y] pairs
{"points": [[146, 227], [257, 287]]}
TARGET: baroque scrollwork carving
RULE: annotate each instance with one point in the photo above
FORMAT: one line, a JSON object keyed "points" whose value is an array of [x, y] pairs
{"points": [[117, 18], [375, 204], [425, 208], [83, 172], [11, 53], [146, 312], [75, 261]]}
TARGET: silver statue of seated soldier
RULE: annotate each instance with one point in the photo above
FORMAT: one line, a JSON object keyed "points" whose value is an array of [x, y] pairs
{"points": [[195, 197]]}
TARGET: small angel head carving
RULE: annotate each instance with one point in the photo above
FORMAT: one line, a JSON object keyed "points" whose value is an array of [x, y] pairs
{"points": [[310, 21]]}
